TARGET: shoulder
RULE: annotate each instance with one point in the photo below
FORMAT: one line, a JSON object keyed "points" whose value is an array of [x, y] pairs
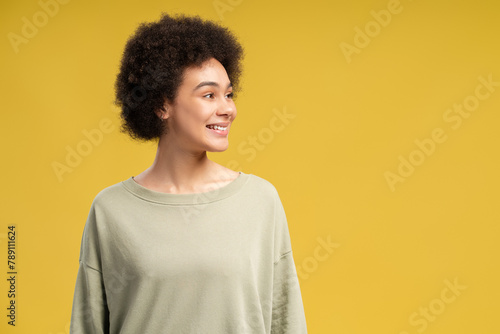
{"points": [[262, 186], [110, 194]]}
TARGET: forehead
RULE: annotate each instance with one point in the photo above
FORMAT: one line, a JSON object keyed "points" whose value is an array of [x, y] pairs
{"points": [[210, 70]]}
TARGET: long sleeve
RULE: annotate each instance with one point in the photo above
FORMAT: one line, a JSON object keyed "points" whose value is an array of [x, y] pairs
{"points": [[225, 269], [90, 312], [288, 316]]}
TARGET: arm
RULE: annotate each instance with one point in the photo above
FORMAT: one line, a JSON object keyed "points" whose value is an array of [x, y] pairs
{"points": [[288, 314], [90, 313]]}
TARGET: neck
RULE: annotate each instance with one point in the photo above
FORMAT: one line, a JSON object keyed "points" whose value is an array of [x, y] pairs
{"points": [[176, 169]]}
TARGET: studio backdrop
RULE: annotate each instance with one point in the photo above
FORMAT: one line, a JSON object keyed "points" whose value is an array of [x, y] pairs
{"points": [[376, 120]]}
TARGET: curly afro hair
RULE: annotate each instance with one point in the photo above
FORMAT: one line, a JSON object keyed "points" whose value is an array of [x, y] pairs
{"points": [[154, 61]]}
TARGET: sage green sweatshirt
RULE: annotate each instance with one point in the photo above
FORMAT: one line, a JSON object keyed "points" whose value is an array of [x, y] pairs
{"points": [[203, 263]]}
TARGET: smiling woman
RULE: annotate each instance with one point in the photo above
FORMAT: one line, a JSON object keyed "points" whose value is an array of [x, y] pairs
{"points": [[200, 116], [186, 246]]}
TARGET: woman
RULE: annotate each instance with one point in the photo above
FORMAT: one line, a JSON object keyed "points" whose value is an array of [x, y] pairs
{"points": [[186, 246]]}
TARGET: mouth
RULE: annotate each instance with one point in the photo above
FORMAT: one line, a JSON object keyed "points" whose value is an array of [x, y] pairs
{"points": [[219, 128]]}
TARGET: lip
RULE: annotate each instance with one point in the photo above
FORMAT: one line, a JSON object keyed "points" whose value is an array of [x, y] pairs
{"points": [[224, 124], [220, 132]]}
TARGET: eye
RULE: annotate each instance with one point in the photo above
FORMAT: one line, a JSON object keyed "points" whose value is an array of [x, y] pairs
{"points": [[209, 95], [230, 95]]}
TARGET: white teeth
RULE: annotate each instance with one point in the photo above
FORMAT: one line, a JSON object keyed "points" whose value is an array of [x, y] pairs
{"points": [[216, 127]]}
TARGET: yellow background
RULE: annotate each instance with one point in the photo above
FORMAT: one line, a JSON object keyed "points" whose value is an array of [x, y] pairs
{"points": [[395, 248]]}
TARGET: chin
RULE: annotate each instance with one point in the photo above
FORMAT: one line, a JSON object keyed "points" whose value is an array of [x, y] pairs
{"points": [[217, 149]]}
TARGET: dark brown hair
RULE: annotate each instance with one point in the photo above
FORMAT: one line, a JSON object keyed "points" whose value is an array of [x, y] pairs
{"points": [[154, 61]]}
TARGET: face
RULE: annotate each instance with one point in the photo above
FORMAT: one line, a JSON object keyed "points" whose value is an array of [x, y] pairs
{"points": [[200, 117]]}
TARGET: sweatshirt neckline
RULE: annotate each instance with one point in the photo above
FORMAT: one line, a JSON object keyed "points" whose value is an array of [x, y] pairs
{"points": [[189, 198]]}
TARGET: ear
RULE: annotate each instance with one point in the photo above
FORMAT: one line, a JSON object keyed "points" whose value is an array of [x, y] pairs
{"points": [[165, 111]]}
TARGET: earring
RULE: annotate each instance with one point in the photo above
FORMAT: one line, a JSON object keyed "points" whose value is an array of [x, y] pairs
{"points": [[163, 115]]}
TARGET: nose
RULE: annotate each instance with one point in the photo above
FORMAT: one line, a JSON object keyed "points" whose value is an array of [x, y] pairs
{"points": [[227, 108]]}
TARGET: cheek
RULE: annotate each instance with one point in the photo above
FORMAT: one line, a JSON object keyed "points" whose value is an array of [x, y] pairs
{"points": [[193, 118]]}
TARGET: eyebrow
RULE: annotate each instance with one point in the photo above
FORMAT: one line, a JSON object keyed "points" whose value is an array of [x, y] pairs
{"points": [[209, 83]]}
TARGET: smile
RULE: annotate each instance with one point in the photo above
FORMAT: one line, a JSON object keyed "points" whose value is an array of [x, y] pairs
{"points": [[216, 127], [219, 130]]}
